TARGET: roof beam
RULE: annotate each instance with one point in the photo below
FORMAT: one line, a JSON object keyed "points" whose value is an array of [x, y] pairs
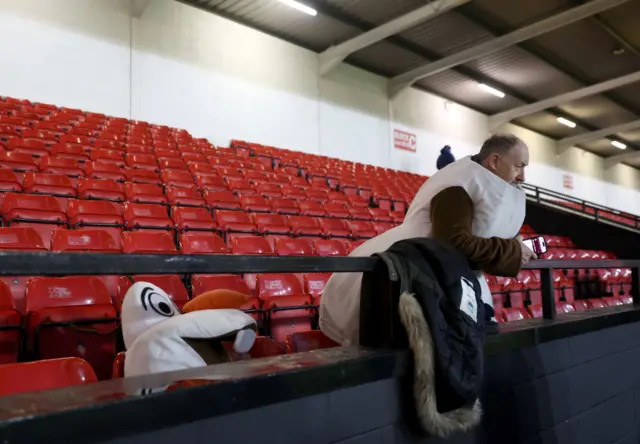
{"points": [[405, 80], [138, 7], [331, 57], [619, 158], [564, 144], [501, 118]]}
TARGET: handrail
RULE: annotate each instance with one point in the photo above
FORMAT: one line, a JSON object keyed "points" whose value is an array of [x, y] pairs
{"points": [[599, 211]]}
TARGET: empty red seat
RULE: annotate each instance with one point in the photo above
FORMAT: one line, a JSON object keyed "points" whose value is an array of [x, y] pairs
{"points": [[193, 218], [170, 163], [287, 307], [54, 184], [329, 247], [316, 195], [201, 243], [312, 208], [42, 375], [294, 192], [381, 227], [314, 284], [250, 245], [138, 176], [223, 200], [210, 182], [361, 229], [97, 213], [67, 167], [305, 341], [235, 221], [293, 247], [9, 181], [378, 214], [101, 189], [10, 326], [580, 305], [515, 314], [72, 316], [334, 228], [107, 171], [145, 242], [285, 206], [142, 161], [269, 190], [18, 161], [111, 157], [69, 151], [42, 213], [596, 303], [304, 226], [147, 216], [334, 209], [185, 197], [97, 241], [271, 223], [240, 186], [177, 178], [167, 154], [30, 147], [360, 213], [144, 193], [255, 204]]}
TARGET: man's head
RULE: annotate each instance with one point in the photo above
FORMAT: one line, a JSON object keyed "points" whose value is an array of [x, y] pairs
{"points": [[506, 156]]}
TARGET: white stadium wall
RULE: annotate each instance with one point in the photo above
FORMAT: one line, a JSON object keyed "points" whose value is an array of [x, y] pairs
{"points": [[187, 68]]}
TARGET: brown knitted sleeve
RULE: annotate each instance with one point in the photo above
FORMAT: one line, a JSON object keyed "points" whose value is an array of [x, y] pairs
{"points": [[452, 220]]}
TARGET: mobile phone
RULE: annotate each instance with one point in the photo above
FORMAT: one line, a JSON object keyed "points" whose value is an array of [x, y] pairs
{"points": [[537, 245]]}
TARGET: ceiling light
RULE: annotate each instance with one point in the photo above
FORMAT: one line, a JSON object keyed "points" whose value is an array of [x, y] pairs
{"points": [[566, 122], [618, 144], [299, 6], [491, 90]]}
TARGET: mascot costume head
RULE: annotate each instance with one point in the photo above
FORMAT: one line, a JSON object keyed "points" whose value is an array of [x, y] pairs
{"points": [[159, 338]]}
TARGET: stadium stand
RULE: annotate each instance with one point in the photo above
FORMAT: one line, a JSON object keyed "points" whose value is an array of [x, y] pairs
{"points": [[86, 182]]}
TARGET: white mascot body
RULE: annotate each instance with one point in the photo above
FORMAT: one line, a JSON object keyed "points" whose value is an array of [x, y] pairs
{"points": [[159, 338]]}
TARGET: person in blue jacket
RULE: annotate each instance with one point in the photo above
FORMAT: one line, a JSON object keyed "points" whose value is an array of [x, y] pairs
{"points": [[445, 158]]}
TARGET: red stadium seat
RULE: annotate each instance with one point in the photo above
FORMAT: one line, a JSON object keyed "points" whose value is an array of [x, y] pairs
{"points": [[54, 184], [9, 181], [177, 178], [304, 226], [45, 375], [98, 241], [380, 215], [55, 165], [103, 214], [250, 245], [192, 218], [167, 154], [596, 303], [381, 227], [143, 242], [293, 247], [29, 147], [142, 162], [312, 208], [185, 197], [69, 151], [255, 204], [234, 221], [144, 193], [105, 171], [515, 314], [293, 192], [314, 284], [223, 200], [361, 229], [72, 316], [202, 243], [271, 224], [211, 182], [138, 176], [329, 247], [285, 206], [147, 216], [42, 213], [334, 209], [10, 326], [314, 194], [360, 213], [287, 307], [169, 163], [101, 189], [18, 162], [110, 157], [334, 228], [305, 341]]}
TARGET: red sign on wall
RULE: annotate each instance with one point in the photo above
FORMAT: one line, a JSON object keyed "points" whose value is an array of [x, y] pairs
{"points": [[567, 181], [405, 141]]}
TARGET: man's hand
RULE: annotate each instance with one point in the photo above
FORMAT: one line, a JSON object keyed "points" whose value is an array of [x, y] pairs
{"points": [[527, 254]]}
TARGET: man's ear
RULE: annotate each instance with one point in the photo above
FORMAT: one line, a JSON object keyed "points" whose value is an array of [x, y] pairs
{"points": [[492, 161]]}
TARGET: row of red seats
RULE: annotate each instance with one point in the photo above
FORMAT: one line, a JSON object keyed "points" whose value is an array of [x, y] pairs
{"points": [[535, 311]]}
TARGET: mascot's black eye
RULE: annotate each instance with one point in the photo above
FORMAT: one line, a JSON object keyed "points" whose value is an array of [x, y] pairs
{"points": [[157, 302], [164, 307]]}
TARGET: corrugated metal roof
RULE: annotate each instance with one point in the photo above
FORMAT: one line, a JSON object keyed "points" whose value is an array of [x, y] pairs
{"points": [[554, 63]]}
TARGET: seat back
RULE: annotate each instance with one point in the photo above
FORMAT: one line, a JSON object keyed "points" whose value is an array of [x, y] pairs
{"points": [[287, 246], [197, 242], [308, 340], [96, 241], [72, 316], [44, 375], [142, 242]]}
